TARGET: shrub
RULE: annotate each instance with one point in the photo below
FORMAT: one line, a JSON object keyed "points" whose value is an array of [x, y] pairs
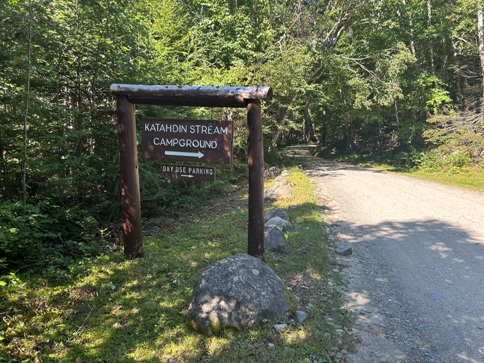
{"points": [[458, 142], [33, 235], [408, 159]]}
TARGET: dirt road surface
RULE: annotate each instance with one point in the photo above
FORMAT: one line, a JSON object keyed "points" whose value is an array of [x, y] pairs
{"points": [[416, 275]]}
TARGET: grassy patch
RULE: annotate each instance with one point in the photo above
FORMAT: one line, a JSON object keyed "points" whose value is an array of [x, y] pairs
{"points": [[471, 179], [464, 178], [111, 310]]}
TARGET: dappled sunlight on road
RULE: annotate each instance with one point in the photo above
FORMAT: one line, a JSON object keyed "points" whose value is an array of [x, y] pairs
{"points": [[433, 235], [437, 263]]}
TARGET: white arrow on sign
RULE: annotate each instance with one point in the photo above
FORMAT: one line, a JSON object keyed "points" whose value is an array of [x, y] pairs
{"points": [[183, 153], [187, 175]]}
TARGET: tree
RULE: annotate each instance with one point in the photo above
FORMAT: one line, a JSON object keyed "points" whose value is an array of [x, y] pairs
{"points": [[480, 36]]}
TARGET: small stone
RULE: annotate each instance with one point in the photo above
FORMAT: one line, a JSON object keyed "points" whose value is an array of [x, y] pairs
{"points": [[231, 189], [280, 222], [276, 213], [111, 287], [300, 316], [274, 239], [280, 327], [344, 250], [271, 346], [272, 172]]}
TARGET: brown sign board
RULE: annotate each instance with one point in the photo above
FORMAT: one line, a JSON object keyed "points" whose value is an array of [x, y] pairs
{"points": [[188, 140], [188, 172]]}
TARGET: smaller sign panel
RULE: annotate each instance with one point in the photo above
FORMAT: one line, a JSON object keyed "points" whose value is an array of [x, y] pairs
{"points": [[188, 140], [188, 172]]}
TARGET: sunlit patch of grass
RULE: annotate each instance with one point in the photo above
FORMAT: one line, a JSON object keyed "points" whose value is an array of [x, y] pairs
{"points": [[216, 345], [470, 179], [296, 336]]}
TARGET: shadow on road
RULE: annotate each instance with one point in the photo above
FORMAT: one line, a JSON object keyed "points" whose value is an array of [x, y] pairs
{"points": [[432, 235], [331, 168], [431, 272]]}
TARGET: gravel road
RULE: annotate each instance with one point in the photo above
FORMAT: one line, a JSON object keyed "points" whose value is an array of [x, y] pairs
{"points": [[416, 277]]}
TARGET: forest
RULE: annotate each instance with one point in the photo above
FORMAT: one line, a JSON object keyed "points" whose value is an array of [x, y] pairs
{"points": [[383, 77]]}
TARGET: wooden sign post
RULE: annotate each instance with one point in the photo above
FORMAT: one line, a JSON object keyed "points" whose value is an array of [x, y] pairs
{"points": [[128, 95], [130, 194], [255, 162]]}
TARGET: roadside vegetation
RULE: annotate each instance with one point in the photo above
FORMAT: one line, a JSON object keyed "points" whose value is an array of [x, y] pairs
{"points": [[453, 153], [107, 309], [444, 172]]}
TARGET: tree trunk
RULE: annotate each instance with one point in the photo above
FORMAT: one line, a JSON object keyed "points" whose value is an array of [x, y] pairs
{"points": [[431, 40], [480, 32], [412, 36], [27, 99]]}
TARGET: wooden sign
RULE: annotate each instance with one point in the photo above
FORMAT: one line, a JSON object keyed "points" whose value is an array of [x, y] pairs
{"points": [[188, 172], [188, 140], [127, 96]]}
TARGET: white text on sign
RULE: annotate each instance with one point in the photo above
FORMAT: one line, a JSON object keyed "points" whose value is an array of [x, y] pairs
{"points": [[197, 140], [187, 170], [191, 129]]}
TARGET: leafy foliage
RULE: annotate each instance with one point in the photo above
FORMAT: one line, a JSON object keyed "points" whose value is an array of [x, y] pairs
{"points": [[352, 76], [43, 234], [459, 142]]}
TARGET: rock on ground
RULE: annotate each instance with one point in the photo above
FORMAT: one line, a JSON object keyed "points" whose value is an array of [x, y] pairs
{"points": [[274, 239], [272, 172], [276, 213], [281, 188], [236, 292], [345, 250], [281, 223]]}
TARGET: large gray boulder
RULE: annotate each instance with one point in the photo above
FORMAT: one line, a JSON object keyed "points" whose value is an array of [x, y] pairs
{"points": [[236, 292]]}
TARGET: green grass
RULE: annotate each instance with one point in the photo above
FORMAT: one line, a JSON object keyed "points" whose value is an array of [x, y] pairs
{"points": [[471, 179], [111, 310]]}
